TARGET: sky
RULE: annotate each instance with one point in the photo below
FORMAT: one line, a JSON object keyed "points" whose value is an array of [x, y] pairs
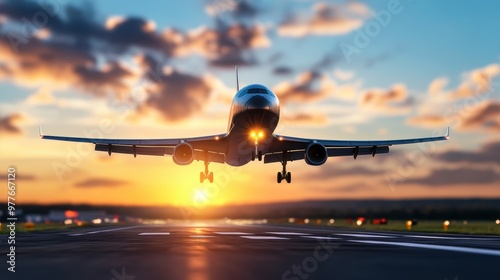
{"points": [[341, 69]]}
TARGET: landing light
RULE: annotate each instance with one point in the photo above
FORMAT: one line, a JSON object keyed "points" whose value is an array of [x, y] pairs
{"points": [[497, 222], [257, 134]]}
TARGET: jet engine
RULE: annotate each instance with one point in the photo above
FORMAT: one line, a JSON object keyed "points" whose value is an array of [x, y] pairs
{"points": [[183, 154], [316, 154]]}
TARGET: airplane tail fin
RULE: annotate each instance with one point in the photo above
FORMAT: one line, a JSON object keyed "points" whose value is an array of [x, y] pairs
{"points": [[237, 78]]}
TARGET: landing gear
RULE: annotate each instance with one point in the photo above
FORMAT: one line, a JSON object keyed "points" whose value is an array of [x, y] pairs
{"points": [[283, 175], [287, 177], [257, 155], [206, 175]]}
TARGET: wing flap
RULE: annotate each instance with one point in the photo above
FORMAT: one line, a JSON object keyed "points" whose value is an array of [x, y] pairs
{"points": [[147, 151], [332, 152]]}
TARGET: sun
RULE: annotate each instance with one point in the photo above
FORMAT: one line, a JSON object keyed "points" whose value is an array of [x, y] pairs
{"points": [[200, 196]]}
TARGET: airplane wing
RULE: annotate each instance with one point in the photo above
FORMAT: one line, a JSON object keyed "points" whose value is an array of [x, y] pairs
{"points": [[215, 145], [295, 147]]}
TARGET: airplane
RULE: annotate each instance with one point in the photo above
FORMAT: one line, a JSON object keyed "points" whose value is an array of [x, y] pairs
{"points": [[254, 116]]}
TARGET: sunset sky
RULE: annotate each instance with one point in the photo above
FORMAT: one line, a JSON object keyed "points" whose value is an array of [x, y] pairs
{"points": [[342, 70]]}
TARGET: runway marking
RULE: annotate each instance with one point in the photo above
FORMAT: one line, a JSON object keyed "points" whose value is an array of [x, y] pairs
{"points": [[364, 235], [320, 237], [438, 237], [287, 233], [201, 236], [264, 237], [434, 247], [101, 231], [233, 233], [154, 233]]}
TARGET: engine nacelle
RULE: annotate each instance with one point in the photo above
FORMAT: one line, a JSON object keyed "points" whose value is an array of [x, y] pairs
{"points": [[316, 154], [183, 154]]}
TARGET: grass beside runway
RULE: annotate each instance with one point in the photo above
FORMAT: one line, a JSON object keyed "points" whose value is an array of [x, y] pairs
{"points": [[469, 227], [26, 227]]}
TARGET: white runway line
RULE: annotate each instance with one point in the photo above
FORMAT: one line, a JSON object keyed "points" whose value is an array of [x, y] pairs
{"points": [[434, 247], [154, 233], [233, 233], [364, 235], [439, 237], [320, 237], [264, 237], [101, 231], [287, 233]]}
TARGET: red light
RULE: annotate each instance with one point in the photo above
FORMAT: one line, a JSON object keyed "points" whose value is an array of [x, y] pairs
{"points": [[70, 214]]}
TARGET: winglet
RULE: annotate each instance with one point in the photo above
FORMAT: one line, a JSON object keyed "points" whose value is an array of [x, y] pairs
{"points": [[447, 133], [237, 78], [40, 131]]}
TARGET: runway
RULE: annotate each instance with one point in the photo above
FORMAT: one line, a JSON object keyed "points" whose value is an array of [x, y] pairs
{"points": [[199, 251]]}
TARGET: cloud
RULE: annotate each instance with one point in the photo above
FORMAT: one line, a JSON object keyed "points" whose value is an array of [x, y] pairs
{"points": [[457, 176], [488, 154], [477, 81], [172, 94], [332, 171], [308, 86], [100, 183], [392, 101], [77, 50], [62, 64], [308, 119], [225, 45], [428, 120], [283, 70], [238, 9], [344, 75], [437, 86], [443, 107], [484, 115], [21, 177], [326, 19], [8, 124]]}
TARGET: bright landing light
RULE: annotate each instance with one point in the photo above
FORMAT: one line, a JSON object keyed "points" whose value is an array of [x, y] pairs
{"points": [[257, 134]]}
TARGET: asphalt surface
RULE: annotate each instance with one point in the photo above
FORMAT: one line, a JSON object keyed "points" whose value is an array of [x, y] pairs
{"points": [[228, 251]]}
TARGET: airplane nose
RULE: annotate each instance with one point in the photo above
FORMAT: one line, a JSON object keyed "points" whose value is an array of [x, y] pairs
{"points": [[258, 102]]}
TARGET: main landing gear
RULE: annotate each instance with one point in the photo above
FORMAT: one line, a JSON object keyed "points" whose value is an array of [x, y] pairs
{"points": [[206, 175], [283, 175]]}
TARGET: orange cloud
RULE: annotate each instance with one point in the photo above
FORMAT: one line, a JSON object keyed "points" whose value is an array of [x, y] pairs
{"points": [[308, 119], [100, 183], [327, 19], [485, 115], [392, 101], [476, 82], [8, 124]]}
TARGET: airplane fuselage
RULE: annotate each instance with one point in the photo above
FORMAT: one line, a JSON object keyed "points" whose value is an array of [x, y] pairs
{"points": [[254, 116]]}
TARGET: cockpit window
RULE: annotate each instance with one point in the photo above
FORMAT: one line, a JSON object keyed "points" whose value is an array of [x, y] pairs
{"points": [[257, 90]]}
